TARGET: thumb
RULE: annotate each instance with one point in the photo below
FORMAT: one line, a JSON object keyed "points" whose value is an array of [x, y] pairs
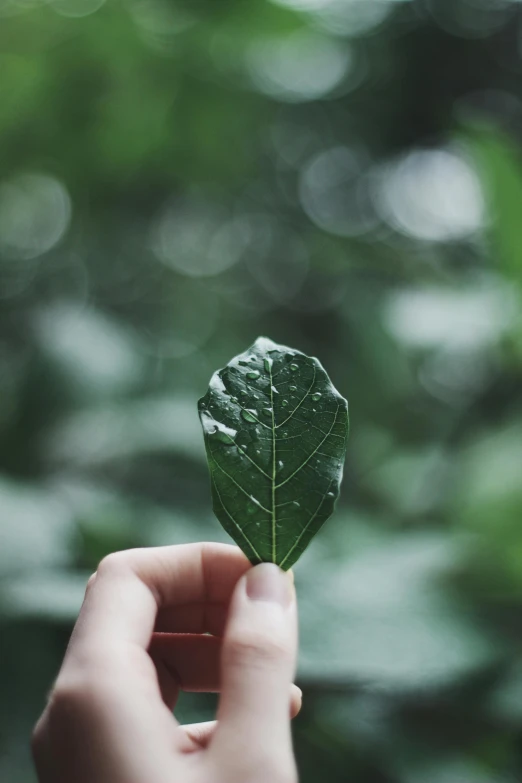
{"points": [[258, 666]]}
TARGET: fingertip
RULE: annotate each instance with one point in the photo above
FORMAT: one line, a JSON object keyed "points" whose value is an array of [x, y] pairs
{"points": [[267, 582]]}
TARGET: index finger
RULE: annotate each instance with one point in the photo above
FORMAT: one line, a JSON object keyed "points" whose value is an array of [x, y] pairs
{"points": [[131, 586]]}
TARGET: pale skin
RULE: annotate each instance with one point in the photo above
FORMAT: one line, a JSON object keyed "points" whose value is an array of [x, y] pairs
{"points": [[109, 716]]}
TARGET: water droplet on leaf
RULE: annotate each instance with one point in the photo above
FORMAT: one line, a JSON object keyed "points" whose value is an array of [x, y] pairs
{"points": [[253, 375], [293, 388], [316, 396], [222, 437], [294, 367], [268, 364], [248, 415]]}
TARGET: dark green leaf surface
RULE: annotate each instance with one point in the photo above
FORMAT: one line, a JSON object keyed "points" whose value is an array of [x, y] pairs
{"points": [[275, 432]]}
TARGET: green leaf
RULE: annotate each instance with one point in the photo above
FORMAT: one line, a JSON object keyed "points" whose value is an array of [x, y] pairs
{"points": [[500, 166], [275, 432]]}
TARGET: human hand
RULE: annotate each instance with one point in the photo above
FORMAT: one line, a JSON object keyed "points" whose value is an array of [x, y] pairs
{"points": [[109, 717]]}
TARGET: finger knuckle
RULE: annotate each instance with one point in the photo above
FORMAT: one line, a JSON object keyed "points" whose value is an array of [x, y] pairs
{"points": [[68, 697], [62, 712], [78, 698], [37, 740], [254, 648]]}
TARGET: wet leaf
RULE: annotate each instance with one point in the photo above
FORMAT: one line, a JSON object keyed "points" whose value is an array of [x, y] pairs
{"points": [[275, 432]]}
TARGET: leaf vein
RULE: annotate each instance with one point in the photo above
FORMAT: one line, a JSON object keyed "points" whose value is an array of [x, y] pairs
{"points": [[229, 515], [244, 454], [312, 454], [281, 424], [303, 531], [232, 479]]}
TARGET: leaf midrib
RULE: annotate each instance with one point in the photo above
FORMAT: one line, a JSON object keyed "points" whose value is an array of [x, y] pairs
{"points": [[274, 466]]}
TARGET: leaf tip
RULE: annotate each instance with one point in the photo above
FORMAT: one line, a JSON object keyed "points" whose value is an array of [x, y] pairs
{"points": [[264, 344]]}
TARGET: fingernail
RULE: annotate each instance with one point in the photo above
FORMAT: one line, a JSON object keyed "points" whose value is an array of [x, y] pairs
{"points": [[266, 582]]}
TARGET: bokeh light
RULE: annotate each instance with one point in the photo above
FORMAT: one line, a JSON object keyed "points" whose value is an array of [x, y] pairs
{"points": [[334, 191], [197, 240], [344, 17], [465, 319], [76, 8], [96, 352], [35, 210], [302, 67], [434, 195]]}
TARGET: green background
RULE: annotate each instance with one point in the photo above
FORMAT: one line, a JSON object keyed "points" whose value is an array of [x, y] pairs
{"points": [[343, 176]]}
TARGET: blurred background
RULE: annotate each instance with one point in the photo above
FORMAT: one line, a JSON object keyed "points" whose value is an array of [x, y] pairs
{"points": [[343, 176]]}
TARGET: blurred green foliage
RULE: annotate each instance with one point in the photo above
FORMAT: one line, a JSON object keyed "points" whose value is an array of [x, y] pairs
{"points": [[343, 176]]}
